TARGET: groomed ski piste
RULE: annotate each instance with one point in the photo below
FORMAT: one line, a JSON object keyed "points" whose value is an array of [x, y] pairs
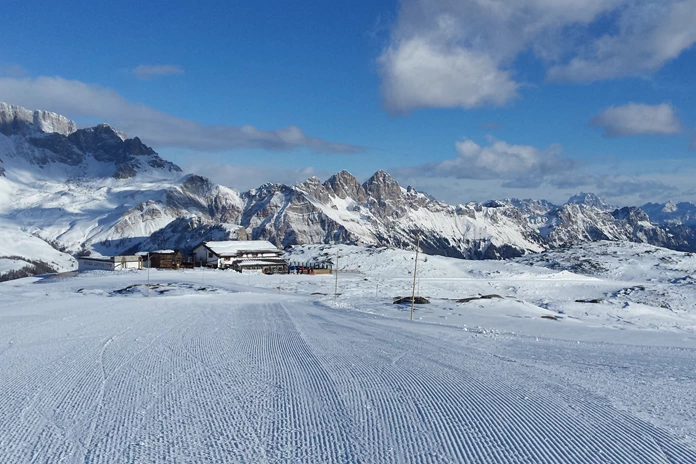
{"points": [[216, 366]]}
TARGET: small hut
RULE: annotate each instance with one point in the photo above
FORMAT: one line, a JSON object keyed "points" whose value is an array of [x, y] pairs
{"points": [[165, 259]]}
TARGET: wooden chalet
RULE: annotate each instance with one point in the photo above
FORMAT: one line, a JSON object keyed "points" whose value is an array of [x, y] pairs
{"points": [[165, 259], [241, 255]]}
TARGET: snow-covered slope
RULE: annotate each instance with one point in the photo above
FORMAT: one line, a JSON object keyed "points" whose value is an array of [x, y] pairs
{"points": [[221, 367], [602, 284], [17, 247]]}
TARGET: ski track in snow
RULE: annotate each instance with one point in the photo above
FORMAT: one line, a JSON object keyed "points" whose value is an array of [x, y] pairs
{"points": [[282, 378]]}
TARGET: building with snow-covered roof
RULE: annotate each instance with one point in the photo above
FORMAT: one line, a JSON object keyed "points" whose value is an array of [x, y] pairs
{"points": [[240, 255]]}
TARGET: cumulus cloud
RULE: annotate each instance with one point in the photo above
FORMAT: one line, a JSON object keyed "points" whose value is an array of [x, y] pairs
{"points": [[80, 100], [418, 73], [649, 35], [638, 119], [445, 53], [519, 165], [146, 72]]}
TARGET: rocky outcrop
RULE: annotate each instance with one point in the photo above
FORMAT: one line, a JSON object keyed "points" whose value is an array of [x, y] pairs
{"points": [[43, 138], [15, 119]]}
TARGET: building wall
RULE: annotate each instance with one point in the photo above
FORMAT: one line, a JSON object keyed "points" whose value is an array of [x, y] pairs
{"points": [[127, 262], [201, 253], [164, 260], [94, 265]]}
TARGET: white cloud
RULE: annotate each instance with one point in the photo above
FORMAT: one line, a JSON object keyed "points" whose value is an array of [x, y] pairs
{"points": [[418, 73], [649, 35], [77, 99], [147, 72], [518, 165], [638, 119], [447, 53]]}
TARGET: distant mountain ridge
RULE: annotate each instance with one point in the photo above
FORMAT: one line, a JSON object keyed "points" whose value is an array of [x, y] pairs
{"points": [[683, 213], [44, 139], [96, 190]]}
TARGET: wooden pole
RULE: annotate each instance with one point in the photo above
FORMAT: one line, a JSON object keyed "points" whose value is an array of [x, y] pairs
{"points": [[415, 270]]}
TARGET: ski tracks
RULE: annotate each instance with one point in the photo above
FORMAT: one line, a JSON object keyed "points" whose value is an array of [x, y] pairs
{"points": [[456, 403], [287, 380]]}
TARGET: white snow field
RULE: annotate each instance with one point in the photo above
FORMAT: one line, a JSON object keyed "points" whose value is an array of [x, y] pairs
{"points": [[216, 366]]}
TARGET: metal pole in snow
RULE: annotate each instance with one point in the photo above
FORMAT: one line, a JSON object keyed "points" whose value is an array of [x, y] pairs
{"points": [[415, 270], [336, 277], [148, 273]]}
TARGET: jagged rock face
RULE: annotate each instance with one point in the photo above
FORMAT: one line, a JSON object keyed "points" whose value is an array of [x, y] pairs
{"points": [[314, 188], [574, 223], [384, 195], [382, 187], [42, 138], [15, 119], [631, 215], [285, 216], [345, 185], [197, 195]]}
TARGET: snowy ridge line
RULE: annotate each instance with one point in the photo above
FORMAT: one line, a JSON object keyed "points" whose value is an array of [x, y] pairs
{"points": [[92, 189]]}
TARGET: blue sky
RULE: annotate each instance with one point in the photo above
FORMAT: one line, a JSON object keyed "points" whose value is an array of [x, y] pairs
{"points": [[465, 99]]}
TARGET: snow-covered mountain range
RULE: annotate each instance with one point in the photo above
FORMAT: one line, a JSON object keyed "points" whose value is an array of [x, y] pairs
{"points": [[94, 189]]}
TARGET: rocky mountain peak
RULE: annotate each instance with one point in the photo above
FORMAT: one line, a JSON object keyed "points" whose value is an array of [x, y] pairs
{"points": [[136, 147], [42, 138], [671, 213], [197, 185], [632, 215], [345, 185], [16, 119], [382, 187], [314, 187], [669, 207], [589, 199]]}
